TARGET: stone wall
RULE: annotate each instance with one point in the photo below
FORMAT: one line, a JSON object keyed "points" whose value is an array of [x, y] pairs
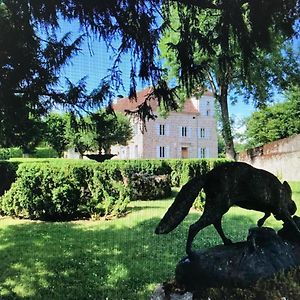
{"points": [[282, 158]]}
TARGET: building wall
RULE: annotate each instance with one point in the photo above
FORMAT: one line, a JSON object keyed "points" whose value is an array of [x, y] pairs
{"points": [[173, 141], [282, 158], [197, 143]]}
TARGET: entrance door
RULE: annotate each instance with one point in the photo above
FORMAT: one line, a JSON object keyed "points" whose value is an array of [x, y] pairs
{"points": [[184, 152]]}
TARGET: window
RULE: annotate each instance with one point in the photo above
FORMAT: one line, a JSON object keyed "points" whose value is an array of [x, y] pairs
{"points": [[183, 131], [202, 133], [202, 153], [161, 129], [208, 113], [162, 152]]}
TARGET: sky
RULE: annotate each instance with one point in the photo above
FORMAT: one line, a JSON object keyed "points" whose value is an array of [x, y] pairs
{"points": [[94, 61]]}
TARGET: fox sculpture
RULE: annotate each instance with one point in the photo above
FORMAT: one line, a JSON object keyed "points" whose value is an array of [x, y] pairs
{"points": [[229, 184]]}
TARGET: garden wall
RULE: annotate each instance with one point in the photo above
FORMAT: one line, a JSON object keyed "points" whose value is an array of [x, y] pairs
{"points": [[282, 158]]}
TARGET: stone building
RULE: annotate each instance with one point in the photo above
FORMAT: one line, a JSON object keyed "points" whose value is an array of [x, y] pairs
{"points": [[189, 133]]}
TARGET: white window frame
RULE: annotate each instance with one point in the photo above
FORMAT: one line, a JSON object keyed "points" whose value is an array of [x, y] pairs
{"points": [[202, 152], [202, 133], [162, 129], [184, 131]]}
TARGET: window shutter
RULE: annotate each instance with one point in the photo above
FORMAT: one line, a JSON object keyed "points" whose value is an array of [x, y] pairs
{"points": [[207, 133], [199, 152], [157, 151], [167, 128], [167, 152], [157, 128]]}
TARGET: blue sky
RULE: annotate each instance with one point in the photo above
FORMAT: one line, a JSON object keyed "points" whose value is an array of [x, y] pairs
{"points": [[94, 62]]}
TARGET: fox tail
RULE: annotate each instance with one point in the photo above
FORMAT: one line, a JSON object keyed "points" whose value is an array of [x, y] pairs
{"points": [[181, 205]]}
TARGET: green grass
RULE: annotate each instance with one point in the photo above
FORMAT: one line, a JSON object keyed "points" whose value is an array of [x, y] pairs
{"points": [[116, 259]]}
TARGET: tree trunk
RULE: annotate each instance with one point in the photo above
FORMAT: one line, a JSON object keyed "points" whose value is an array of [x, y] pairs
{"points": [[226, 127]]}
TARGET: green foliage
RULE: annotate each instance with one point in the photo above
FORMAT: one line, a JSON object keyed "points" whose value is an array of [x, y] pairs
{"points": [[59, 189], [7, 174], [275, 122], [107, 130], [39, 152], [30, 68], [203, 49], [62, 191], [55, 132], [185, 169]]}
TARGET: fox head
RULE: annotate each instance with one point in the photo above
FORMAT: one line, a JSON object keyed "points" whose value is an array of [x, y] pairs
{"points": [[287, 195]]}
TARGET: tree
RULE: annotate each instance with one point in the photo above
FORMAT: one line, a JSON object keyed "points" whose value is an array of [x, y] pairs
{"points": [[30, 67], [55, 132], [97, 131], [77, 134], [109, 130], [209, 46], [274, 122], [29, 73]]}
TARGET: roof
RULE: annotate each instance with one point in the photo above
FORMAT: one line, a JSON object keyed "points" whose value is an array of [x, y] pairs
{"points": [[123, 104]]}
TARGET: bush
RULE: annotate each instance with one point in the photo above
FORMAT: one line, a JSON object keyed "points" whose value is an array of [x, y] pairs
{"points": [[182, 170], [60, 189], [40, 152], [149, 187], [55, 191], [7, 153], [7, 174]]}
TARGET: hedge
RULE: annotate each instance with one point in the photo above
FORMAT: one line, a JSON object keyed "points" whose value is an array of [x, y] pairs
{"points": [[7, 175], [60, 189], [51, 191], [40, 152]]}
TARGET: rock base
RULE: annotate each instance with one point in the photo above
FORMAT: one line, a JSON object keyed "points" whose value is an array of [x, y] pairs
{"points": [[241, 264]]}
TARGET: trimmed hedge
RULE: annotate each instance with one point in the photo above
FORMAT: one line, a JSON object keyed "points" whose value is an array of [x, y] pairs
{"points": [[40, 152], [51, 191], [7, 175], [61, 189], [185, 169]]}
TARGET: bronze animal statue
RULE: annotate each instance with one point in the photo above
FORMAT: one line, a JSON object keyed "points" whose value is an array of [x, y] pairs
{"points": [[229, 184]]}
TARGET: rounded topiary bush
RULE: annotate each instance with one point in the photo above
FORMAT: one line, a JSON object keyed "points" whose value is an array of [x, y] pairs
{"points": [[43, 191], [63, 191], [7, 174]]}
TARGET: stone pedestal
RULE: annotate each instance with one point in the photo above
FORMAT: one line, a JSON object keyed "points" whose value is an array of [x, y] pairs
{"points": [[241, 264]]}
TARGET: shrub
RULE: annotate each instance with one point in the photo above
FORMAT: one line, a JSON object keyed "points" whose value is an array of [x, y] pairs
{"points": [[59, 189], [182, 170], [7, 174], [146, 186], [40, 152], [62, 191], [43, 191]]}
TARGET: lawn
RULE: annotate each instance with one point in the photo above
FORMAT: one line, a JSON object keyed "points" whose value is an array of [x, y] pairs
{"points": [[116, 259]]}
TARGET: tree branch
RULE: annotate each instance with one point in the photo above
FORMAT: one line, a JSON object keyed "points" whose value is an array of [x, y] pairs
{"points": [[212, 83], [204, 4]]}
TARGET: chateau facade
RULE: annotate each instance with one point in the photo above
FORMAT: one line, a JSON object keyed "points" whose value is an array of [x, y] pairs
{"points": [[189, 133]]}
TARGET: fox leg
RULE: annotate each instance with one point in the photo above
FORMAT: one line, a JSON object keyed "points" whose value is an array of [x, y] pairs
{"points": [[219, 228], [204, 221], [211, 215], [261, 221]]}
